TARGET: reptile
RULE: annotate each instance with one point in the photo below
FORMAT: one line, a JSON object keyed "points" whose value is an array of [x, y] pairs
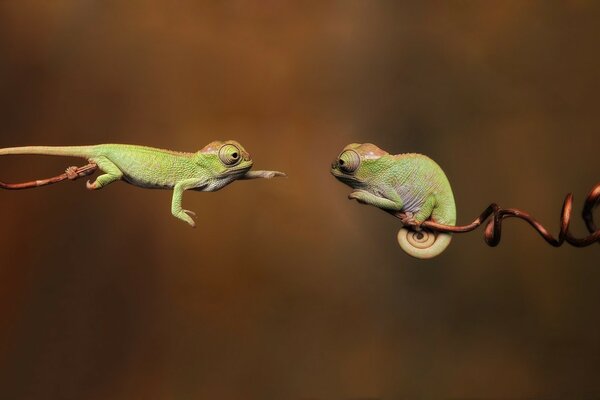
{"points": [[216, 165], [409, 186]]}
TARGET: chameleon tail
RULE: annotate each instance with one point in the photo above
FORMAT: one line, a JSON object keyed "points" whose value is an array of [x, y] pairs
{"points": [[423, 244], [68, 151]]}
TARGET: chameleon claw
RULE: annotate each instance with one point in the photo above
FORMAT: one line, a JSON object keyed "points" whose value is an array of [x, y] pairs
{"points": [[262, 174], [187, 215], [356, 195], [275, 174], [72, 173], [91, 185], [408, 219]]}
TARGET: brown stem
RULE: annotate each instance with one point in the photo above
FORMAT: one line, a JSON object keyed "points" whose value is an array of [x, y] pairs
{"points": [[493, 228], [72, 174]]}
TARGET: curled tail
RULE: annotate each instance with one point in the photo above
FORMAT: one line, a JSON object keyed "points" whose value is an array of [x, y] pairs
{"points": [[68, 151], [423, 244]]}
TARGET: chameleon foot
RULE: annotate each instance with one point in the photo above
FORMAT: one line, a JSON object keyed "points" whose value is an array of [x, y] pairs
{"points": [[184, 215], [92, 185], [359, 196], [262, 174], [408, 219], [72, 173], [269, 174]]}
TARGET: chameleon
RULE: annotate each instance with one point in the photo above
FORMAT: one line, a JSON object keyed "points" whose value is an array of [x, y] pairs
{"points": [[213, 167], [409, 186]]}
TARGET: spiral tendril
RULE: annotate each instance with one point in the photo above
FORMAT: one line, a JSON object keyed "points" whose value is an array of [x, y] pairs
{"points": [[493, 228]]}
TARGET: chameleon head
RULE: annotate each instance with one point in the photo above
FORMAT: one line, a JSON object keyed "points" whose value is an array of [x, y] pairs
{"points": [[357, 163], [225, 158]]}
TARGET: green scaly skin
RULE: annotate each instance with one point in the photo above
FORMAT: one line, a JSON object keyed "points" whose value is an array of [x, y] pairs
{"points": [[210, 169], [411, 184]]}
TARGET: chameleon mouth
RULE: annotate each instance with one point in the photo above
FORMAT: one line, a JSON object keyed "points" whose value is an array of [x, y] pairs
{"points": [[238, 171], [342, 176]]}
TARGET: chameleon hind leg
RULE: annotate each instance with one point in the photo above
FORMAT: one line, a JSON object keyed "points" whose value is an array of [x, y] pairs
{"points": [[416, 219], [111, 173], [176, 207], [426, 210]]}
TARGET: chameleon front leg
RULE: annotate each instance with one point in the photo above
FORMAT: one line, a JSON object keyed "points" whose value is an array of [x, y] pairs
{"points": [[112, 173], [176, 208], [262, 174], [364, 197]]}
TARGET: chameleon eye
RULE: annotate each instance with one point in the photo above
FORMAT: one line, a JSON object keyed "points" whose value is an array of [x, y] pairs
{"points": [[349, 161], [229, 154]]}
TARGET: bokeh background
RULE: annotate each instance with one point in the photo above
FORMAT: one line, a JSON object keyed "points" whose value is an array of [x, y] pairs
{"points": [[287, 290]]}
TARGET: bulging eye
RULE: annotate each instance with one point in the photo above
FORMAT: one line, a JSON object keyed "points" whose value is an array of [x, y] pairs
{"points": [[349, 161], [229, 154]]}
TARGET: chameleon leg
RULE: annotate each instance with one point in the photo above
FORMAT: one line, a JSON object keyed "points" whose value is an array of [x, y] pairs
{"points": [[426, 210], [176, 208], [423, 242], [262, 174], [365, 197], [112, 173]]}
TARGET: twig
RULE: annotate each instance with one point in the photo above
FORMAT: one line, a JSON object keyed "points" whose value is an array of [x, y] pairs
{"points": [[72, 173], [493, 228]]}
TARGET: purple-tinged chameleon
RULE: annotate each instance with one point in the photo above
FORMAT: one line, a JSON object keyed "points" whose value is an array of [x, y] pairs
{"points": [[410, 186], [215, 166]]}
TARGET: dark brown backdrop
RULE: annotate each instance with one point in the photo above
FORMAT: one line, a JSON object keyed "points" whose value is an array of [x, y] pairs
{"points": [[287, 290]]}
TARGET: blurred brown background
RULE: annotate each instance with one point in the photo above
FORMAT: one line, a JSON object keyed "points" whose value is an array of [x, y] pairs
{"points": [[288, 290]]}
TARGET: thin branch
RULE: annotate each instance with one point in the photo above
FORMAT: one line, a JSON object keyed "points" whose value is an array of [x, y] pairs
{"points": [[493, 228], [72, 173]]}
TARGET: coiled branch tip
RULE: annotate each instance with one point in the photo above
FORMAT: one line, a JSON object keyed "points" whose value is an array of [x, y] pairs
{"points": [[493, 228]]}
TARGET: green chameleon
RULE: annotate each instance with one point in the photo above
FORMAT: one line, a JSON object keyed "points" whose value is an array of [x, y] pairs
{"points": [[210, 169], [410, 186]]}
